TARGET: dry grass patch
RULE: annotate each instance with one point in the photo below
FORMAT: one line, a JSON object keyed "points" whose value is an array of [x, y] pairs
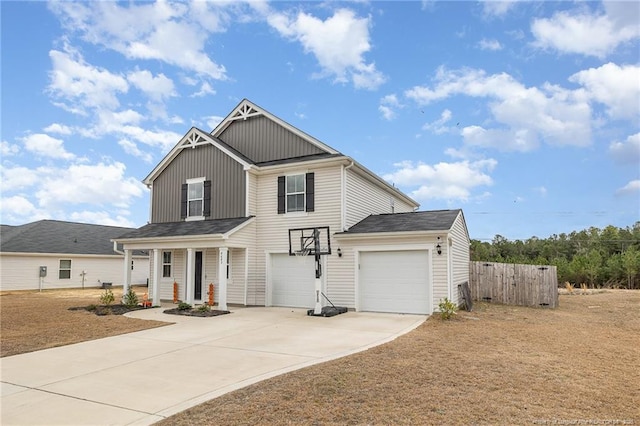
{"points": [[496, 365], [32, 320]]}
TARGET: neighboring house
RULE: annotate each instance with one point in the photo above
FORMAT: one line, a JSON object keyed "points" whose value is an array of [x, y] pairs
{"points": [[73, 255], [222, 204]]}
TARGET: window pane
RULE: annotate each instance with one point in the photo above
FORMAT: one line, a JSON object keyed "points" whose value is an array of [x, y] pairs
{"points": [[166, 271], [195, 208], [295, 203], [64, 274], [195, 190], [166, 257], [300, 183], [291, 184], [65, 264]]}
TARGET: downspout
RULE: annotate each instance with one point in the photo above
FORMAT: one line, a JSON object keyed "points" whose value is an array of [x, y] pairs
{"points": [[150, 186], [344, 194]]}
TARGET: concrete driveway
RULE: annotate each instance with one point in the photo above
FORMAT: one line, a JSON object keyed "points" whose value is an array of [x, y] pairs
{"points": [[143, 377]]}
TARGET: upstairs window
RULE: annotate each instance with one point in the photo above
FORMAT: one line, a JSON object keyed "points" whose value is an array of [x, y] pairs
{"points": [[196, 199], [296, 193], [64, 273]]}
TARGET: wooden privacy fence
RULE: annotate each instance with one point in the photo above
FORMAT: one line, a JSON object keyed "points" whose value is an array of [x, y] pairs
{"points": [[513, 284]]}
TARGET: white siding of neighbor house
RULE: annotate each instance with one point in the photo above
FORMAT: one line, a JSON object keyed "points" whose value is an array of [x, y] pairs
{"points": [[21, 271], [272, 228], [460, 256], [364, 198]]}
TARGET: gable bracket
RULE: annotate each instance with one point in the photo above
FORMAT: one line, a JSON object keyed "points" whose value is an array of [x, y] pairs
{"points": [[193, 139], [244, 112]]}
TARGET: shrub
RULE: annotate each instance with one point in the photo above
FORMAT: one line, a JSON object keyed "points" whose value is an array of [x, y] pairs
{"points": [[204, 308], [183, 306], [107, 298], [130, 298], [447, 308], [92, 307]]}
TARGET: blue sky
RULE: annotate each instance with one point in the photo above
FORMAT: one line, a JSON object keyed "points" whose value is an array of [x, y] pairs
{"points": [[524, 114]]}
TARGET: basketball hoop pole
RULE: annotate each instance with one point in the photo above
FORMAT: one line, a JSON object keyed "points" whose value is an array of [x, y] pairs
{"points": [[317, 310]]}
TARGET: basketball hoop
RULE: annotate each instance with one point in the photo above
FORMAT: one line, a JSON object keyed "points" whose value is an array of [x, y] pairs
{"points": [[301, 254]]}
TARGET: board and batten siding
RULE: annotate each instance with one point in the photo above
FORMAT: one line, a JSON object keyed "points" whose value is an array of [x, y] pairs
{"points": [[227, 178], [272, 228], [21, 271], [364, 198], [261, 139]]}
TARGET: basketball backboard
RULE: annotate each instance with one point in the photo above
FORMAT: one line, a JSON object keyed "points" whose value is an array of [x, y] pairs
{"points": [[309, 241]]}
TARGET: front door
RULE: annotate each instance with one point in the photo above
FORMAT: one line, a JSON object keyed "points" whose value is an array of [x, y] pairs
{"points": [[197, 281]]}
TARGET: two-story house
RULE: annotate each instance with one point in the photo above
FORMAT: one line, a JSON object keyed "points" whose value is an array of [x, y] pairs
{"points": [[222, 205]]}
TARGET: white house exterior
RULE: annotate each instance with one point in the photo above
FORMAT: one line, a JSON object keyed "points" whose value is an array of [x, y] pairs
{"points": [[222, 204], [73, 255]]}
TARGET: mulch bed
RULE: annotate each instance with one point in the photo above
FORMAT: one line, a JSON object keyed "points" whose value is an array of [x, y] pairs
{"points": [[107, 310], [195, 312]]}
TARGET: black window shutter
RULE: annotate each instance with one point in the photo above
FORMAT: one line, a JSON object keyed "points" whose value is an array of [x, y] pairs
{"points": [[310, 191], [183, 201], [206, 210], [281, 194]]}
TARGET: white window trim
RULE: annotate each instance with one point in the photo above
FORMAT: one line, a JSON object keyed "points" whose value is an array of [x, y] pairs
{"points": [[189, 182], [70, 269], [302, 212]]}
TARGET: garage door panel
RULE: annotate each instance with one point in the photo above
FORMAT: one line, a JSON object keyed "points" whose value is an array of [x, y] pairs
{"points": [[394, 281], [292, 281]]}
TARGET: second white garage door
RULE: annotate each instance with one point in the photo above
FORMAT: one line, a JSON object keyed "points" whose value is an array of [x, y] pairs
{"points": [[394, 281], [292, 281]]}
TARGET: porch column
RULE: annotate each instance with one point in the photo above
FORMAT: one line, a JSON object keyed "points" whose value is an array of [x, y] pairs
{"points": [[126, 282], [190, 268], [222, 278], [155, 288]]}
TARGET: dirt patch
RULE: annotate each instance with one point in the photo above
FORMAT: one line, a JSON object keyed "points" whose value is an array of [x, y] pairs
{"points": [[195, 312], [32, 320], [577, 364]]}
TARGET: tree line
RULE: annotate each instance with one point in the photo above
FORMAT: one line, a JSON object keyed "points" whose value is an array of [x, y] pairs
{"points": [[608, 257]]}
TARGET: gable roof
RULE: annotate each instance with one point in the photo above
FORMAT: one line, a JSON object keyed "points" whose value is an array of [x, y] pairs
{"points": [[435, 220], [54, 236], [182, 229]]}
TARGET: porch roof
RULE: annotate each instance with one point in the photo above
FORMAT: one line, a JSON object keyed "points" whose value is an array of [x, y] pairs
{"points": [[181, 229]]}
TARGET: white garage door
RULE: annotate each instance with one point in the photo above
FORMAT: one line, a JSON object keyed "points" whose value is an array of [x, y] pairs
{"points": [[292, 281], [394, 281]]}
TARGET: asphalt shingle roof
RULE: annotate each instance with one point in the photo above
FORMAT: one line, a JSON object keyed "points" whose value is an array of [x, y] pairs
{"points": [[53, 236], [435, 220], [176, 229]]}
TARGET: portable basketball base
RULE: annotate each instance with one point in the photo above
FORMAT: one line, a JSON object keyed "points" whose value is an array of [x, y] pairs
{"points": [[317, 242]]}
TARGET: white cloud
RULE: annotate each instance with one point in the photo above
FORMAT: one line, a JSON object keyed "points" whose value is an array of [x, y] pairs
{"points": [[205, 89], [58, 128], [631, 188], [77, 82], [588, 33], [627, 151], [156, 88], [18, 209], [99, 185], [449, 181], [438, 126], [7, 149], [17, 178], [174, 33], [132, 149], [101, 218], [213, 121], [46, 146], [487, 44], [526, 115], [541, 190], [617, 87], [388, 106], [339, 44], [497, 8]]}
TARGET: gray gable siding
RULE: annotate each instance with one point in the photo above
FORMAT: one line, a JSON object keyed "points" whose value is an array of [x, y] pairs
{"points": [[261, 140], [227, 184]]}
